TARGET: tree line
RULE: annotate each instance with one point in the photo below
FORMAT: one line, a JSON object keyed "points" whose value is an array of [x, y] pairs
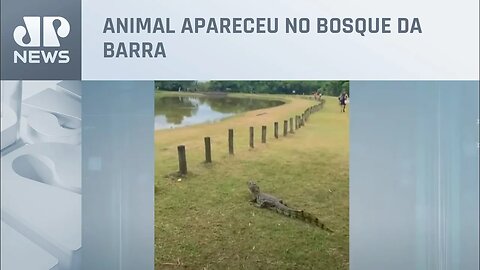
{"points": [[330, 88]]}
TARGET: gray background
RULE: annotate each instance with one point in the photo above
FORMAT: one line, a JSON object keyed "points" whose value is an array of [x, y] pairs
{"points": [[12, 13], [118, 174], [414, 175]]}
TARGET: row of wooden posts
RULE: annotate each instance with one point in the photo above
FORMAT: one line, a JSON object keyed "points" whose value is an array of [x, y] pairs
{"points": [[299, 122]]}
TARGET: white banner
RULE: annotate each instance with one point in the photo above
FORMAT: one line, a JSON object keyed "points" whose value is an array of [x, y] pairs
{"points": [[280, 40]]}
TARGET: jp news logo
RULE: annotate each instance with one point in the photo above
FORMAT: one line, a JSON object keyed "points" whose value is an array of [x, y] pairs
{"points": [[40, 38]]}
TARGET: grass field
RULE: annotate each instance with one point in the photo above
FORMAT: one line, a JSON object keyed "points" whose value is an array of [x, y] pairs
{"points": [[205, 221]]}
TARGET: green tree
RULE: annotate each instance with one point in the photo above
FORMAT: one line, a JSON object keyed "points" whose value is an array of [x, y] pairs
{"points": [[332, 88]]}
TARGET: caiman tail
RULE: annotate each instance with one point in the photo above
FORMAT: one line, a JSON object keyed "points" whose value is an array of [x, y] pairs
{"points": [[301, 215], [310, 218]]}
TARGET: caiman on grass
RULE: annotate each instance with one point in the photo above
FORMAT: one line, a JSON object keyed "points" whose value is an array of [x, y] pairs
{"points": [[264, 200]]}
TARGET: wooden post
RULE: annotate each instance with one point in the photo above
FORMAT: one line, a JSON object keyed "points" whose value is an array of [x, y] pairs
{"points": [[296, 122], [275, 130], [291, 125], [264, 134], [302, 120], [230, 141], [182, 159], [208, 150], [251, 137], [285, 128]]}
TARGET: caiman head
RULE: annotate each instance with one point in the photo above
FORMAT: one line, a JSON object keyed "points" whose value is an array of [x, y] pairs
{"points": [[253, 187]]}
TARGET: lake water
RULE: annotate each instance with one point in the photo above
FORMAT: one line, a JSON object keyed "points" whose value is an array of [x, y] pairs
{"points": [[173, 112]]}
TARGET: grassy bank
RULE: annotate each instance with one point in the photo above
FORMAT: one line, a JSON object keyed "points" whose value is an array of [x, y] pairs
{"points": [[206, 222]]}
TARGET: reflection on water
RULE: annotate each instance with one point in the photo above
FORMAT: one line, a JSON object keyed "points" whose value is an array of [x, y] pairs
{"points": [[172, 112]]}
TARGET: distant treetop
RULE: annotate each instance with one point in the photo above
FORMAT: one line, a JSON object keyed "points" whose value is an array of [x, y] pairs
{"points": [[331, 88]]}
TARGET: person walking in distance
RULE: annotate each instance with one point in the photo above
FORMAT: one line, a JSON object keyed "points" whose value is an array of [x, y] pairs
{"points": [[343, 98]]}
